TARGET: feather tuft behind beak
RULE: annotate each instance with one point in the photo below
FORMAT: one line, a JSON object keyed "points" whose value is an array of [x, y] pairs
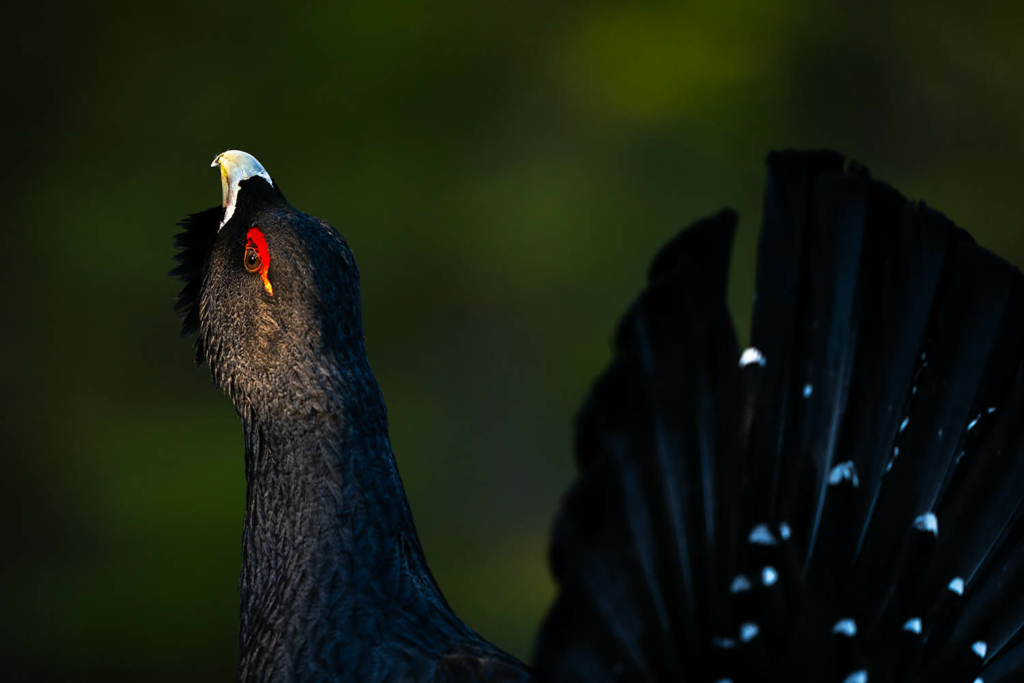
{"points": [[236, 166]]}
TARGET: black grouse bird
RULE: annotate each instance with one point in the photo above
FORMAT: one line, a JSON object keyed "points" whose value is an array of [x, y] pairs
{"points": [[842, 501]]}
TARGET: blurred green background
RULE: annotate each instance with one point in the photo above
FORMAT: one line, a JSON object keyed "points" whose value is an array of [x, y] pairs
{"points": [[503, 172]]}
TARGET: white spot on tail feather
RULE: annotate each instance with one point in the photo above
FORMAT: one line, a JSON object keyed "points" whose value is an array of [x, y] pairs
{"points": [[846, 627], [740, 584], [927, 522], [761, 535], [751, 355], [913, 625], [844, 471]]}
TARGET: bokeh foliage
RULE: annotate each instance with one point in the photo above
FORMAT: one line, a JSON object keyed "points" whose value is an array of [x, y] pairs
{"points": [[503, 172]]}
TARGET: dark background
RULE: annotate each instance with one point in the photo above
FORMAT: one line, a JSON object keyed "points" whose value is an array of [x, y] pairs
{"points": [[503, 172]]}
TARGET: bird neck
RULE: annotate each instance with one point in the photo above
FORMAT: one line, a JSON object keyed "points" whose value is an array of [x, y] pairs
{"points": [[328, 535]]}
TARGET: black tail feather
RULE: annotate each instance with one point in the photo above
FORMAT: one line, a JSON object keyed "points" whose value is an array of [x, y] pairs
{"points": [[847, 502], [640, 603]]}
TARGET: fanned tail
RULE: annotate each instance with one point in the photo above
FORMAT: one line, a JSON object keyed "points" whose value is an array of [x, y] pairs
{"points": [[648, 527], [845, 503]]}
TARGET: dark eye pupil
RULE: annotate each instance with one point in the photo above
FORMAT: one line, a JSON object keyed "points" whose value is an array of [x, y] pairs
{"points": [[252, 259]]}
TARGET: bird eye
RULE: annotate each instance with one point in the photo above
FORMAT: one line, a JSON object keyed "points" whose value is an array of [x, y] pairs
{"points": [[252, 260], [257, 257]]}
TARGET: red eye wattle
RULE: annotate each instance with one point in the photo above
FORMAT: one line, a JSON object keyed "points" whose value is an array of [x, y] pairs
{"points": [[257, 256]]}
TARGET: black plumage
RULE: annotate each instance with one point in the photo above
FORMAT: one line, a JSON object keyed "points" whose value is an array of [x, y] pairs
{"points": [[842, 501]]}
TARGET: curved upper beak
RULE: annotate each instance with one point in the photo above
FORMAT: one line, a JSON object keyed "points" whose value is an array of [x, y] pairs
{"points": [[236, 166]]}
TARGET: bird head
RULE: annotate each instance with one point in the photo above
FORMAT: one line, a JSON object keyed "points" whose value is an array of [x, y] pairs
{"points": [[272, 292]]}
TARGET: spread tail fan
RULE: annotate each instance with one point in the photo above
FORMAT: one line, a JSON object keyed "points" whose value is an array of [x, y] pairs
{"points": [[844, 500]]}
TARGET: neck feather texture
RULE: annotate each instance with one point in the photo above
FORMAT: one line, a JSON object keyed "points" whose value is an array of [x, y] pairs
{"points": [[332, 569]]}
